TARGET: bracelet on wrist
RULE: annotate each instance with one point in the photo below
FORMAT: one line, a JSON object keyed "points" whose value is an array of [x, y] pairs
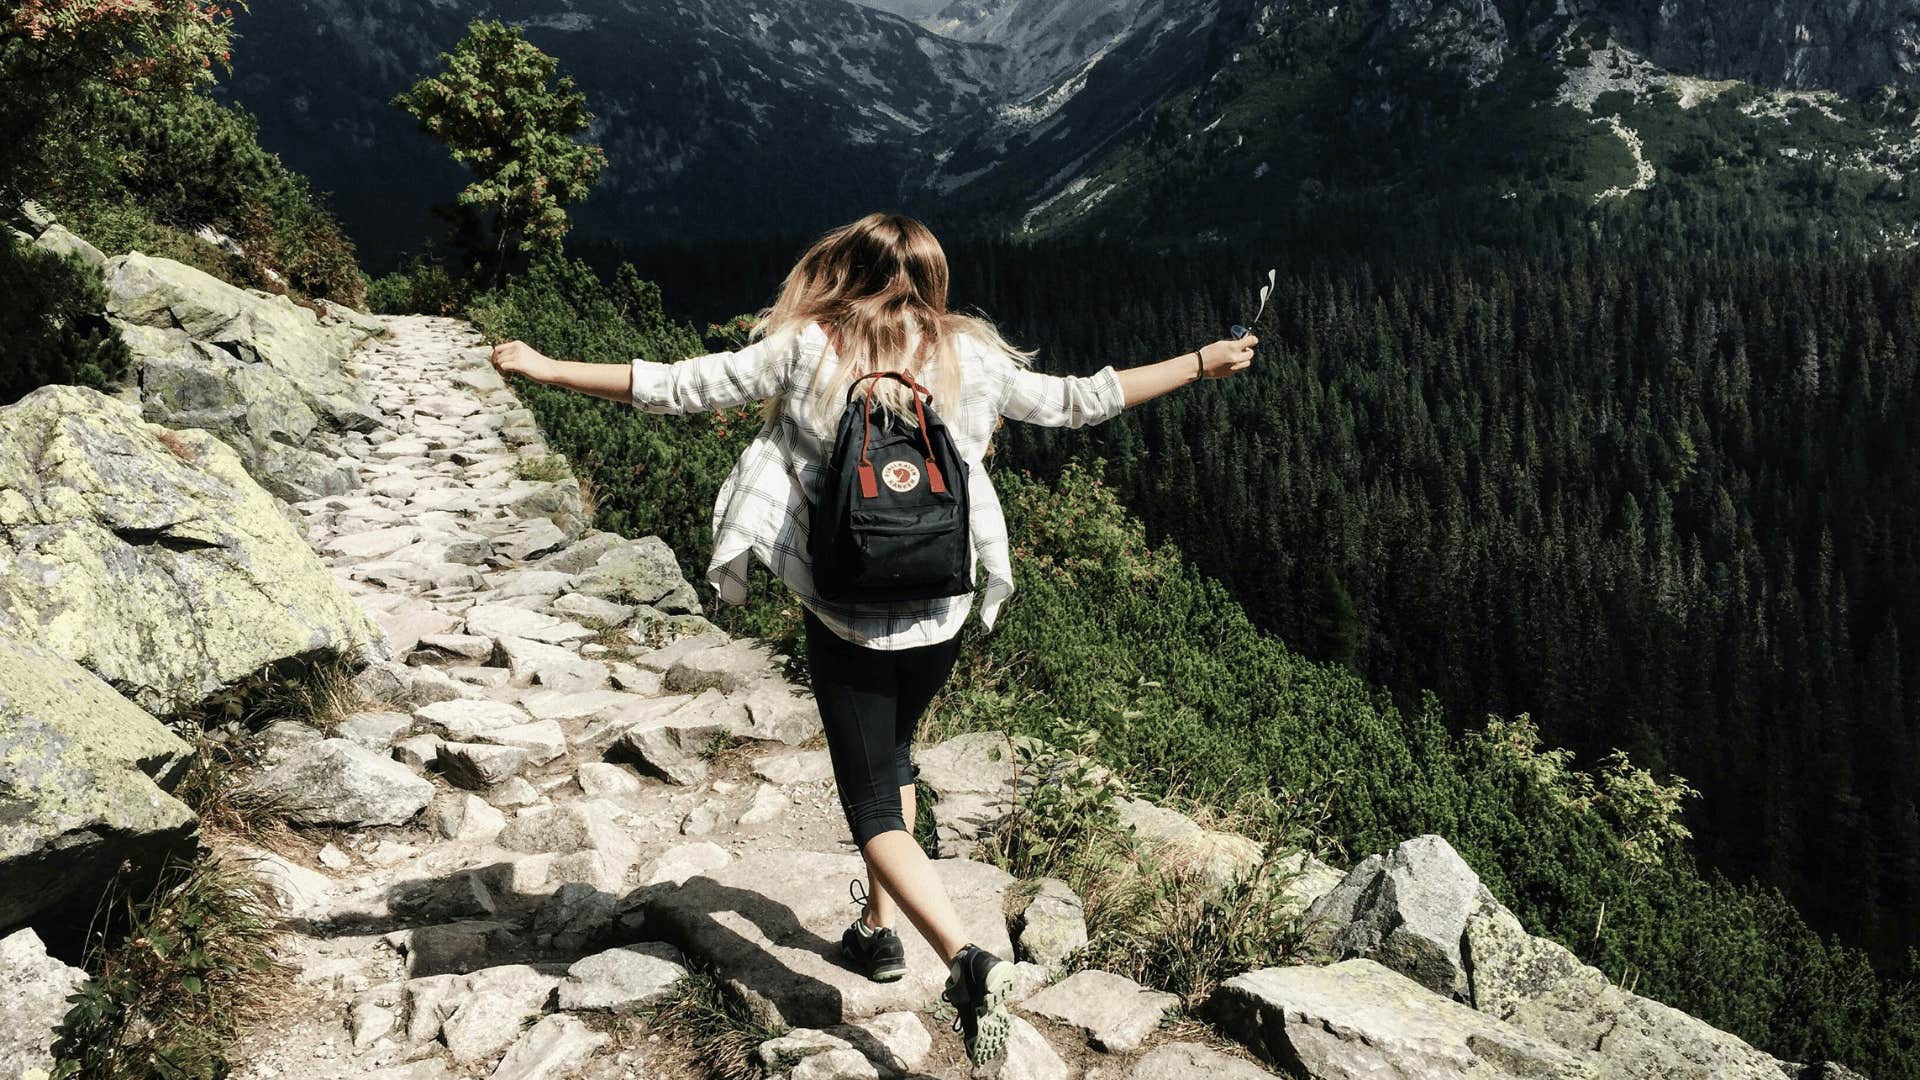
{"points": [[1199, 366]]}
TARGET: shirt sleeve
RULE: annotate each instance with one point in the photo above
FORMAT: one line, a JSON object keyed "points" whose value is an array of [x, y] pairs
{"points": [[1034, 397], [715, 381]]}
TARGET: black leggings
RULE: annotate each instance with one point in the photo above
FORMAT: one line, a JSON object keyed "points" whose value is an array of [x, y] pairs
{"points": [[870, 702]]}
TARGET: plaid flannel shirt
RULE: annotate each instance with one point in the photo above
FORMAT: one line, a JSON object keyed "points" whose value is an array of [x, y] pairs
{"points": [[764, 507]]}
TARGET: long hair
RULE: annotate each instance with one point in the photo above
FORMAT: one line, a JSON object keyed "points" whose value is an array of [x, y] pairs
{"points": [[879, 286]]}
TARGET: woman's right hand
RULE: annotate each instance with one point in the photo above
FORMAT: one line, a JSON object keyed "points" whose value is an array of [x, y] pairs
{"points": [[1224, 357], [520, 358]]}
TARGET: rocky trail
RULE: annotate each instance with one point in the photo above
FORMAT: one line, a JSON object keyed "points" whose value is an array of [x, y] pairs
{"points": [[560, 804], [530, 831]]}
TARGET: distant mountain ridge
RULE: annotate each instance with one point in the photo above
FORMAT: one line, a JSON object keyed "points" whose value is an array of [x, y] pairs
{"points": [[739, 117]]}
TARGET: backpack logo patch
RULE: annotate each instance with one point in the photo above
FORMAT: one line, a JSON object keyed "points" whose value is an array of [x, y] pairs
{"points": [[901, 476]]}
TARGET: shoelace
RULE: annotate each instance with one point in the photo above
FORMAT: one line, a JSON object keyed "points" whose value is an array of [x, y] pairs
{"points": [[859, 893]]}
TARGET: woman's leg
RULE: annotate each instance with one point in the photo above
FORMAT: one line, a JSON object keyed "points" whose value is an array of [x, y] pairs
{"points": [[923, 671], [857, 691]]}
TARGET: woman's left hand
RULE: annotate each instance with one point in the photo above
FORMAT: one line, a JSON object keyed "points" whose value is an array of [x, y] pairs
{"points": [[520, 358]]}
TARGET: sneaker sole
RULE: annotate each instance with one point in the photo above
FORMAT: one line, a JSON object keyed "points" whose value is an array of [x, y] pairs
{"points": [[889, 974], [995, 1024]]}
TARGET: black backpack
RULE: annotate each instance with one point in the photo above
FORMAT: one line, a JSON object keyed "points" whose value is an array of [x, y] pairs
{"points": [[891, 521]]}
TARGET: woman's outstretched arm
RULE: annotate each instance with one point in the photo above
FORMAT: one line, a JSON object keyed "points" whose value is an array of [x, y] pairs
{"points": [[1217, 361], [611, 381], [713, 381]]}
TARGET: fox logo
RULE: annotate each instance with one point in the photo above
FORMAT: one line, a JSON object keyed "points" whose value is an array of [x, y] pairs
{"points": [[901, 476]]}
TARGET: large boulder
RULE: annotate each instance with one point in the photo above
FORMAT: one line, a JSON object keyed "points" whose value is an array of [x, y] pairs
{"points": [[84, 775], [150, 557], [294, 348], [1180, 844], [642, 571], [1358, 1019]]}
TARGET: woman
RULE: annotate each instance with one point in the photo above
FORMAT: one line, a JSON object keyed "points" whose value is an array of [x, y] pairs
{"points": [[872, 295]]}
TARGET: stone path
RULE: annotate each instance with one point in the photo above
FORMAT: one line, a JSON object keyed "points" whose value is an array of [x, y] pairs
{"points": [[530, 829]]}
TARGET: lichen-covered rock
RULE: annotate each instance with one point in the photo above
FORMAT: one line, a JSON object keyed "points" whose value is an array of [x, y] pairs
{"points": [[642, 571], [1116, 1013], [1052, 926], [295, 350], [33, 1002], [1538, 986], [84, 775], [150, 557]]}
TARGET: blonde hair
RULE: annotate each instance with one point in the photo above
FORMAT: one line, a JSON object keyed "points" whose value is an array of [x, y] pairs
{"points": [[879, 286]]}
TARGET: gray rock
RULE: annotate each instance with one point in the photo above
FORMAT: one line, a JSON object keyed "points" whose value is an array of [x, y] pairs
{"points": [[450, 646], [1409, 912], [1359, 1019], [373, 730], [450, 948], [601, 780], [466, 720], [704, 819], [582, 825], [554, 1048], [466, 818], [582, 553], [664, 658], [335, 782], [623, 978], [480, 765], [491, 1008], [778, 712], [61, 241], [766, 924], [683, 861], [462, 895], [1192, 1061], [1052, 926], [536, 537], [671, 746], [85, 783], [1116, 1013], [737, 665], [33, 993], [419, 751], [767, 804], [167, 572], [582, 606], [891, 1044], [552, 666], [575, 915], [838, 1064]]}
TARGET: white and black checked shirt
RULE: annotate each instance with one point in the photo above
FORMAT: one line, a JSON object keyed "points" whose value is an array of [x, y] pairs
{"points": [[765, 504]]}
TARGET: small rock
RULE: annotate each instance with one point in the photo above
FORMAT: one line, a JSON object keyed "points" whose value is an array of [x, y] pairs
{"points": [[554, 1048], [576, 914], [1116, 1013], [602, 780], [683, 861], [768, 803], [624, 977], [333, 858], [465, 721], [514, 792], [373, 730], [1053, 926], [795, 767], [1029, 1056], [481, 765], [419, 751], [703, 819], [367, 1023]]}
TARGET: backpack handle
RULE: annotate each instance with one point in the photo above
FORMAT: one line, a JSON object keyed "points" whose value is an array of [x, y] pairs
{"points": [[868, 487]]}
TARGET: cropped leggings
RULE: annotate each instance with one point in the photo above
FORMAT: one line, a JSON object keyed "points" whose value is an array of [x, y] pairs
{"points": [[870, 703]]}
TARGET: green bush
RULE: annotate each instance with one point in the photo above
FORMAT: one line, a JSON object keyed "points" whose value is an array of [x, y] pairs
{"points": [[51, 326], [424, 287]]}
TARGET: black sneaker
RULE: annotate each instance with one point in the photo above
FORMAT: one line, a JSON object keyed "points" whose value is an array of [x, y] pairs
{"points": [[978, 985], [877, 954]]}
